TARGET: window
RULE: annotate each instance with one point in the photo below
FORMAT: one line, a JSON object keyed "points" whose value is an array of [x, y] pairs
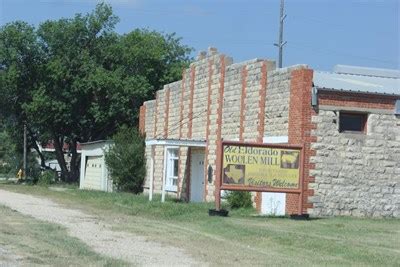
{"points": [[352, 122], [171, 182]]}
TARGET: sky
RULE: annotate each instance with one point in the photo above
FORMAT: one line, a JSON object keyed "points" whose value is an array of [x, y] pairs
{"points": [[319, 33]]}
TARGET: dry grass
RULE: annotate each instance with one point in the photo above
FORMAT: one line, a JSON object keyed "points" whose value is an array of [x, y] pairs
{"points": [[241, 239], [26, 241]]}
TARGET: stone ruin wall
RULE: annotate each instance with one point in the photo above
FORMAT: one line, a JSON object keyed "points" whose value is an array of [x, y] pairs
{"points": [[356, 174]]}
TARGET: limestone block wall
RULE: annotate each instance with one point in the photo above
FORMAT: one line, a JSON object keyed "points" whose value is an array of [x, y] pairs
{"points": [[149, 118], [253, 101], [356, 174], [217, 99], [160, 120], [158, 168], [231, 109], [146, 183], [149, 131], [173, 126], [277, 102], [185, 101], [184, 172], [198, 113]]}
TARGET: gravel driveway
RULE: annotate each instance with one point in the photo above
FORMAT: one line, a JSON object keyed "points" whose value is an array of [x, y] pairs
{"points": [[98, 235]]}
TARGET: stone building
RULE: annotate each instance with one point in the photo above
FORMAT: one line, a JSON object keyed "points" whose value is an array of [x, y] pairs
{"points": [[347, 121]]}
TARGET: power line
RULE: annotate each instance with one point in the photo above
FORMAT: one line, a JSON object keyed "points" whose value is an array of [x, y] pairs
{"points": [[330, 51], [180, 123]]}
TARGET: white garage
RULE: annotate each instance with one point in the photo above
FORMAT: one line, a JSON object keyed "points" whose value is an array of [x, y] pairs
{"points": [[94, 173]]}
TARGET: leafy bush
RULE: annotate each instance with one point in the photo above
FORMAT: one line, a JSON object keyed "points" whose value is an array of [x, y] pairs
{"points": [[239, 199], [126, 161], [46, 178]]}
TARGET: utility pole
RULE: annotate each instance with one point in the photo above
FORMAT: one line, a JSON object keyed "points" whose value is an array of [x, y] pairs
{"points": [[281, 42], [25, 153]]}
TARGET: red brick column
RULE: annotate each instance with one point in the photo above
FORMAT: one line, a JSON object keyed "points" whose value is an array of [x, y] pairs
{"points": [[142, 119], [181, 102], [166, 112], [179, 193], [300, 126], [190, 122], [210, 74], [220, 102], [261, 115], [155, 116]]}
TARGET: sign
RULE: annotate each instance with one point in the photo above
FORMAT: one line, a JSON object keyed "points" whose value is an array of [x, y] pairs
{"points": [[267, 167]]}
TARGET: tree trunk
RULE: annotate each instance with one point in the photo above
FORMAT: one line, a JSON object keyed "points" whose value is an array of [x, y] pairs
{"points": [[36, 147], [74, 164], [58, 146]]}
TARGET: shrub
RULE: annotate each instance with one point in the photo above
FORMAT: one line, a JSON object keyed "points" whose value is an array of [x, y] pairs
{"points": [[239, 199], [46, 178], [126, 160]]}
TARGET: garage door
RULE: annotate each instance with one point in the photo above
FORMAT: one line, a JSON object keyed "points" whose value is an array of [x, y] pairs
{"points": [[93, 173]]}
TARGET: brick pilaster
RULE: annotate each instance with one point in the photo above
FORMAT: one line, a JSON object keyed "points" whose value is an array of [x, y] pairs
{"points": [[209, 91], [180, 173], [142, 119], [220, 102], [192, 79], [300, 126], [181, 102], [166, 112], [261, 117], [156, 116]]}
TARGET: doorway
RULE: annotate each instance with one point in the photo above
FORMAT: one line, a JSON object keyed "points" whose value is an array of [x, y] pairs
{"points": [[197, 177]]}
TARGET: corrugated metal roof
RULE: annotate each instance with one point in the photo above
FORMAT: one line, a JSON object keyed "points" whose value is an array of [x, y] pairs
{"points": [[376, 72], [359, 79]]}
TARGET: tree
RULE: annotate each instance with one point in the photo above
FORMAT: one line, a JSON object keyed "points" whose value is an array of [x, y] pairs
{"points": [[8, 153], [126, 160], [20, 69], [83, 80], [11, 153]]}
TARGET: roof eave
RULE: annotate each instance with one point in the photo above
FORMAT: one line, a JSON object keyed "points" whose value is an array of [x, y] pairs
{"points": [[355, 92]]}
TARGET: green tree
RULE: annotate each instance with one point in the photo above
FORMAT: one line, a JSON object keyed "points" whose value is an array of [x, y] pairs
{"points": [[11, 153], [21, 58], [8, 153], [77, 80], [126, 160]]}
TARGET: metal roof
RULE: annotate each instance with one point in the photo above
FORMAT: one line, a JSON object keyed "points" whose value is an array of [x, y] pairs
{"points": [[376, 72], [177, 142], [359, 79]]}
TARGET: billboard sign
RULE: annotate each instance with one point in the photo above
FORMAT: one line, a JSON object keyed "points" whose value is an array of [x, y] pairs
{"points": [[261, 167]]}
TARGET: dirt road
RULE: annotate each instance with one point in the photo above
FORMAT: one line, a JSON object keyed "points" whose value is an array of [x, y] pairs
{"points": [[98, 235]]}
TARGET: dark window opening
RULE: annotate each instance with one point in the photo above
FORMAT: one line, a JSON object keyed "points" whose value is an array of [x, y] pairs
{"points": [[352, 122]]}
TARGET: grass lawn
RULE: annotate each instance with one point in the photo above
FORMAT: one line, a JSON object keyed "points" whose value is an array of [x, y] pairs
{"points": [[26, 241], [241, 239]]}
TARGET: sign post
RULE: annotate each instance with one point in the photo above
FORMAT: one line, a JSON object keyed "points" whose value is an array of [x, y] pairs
{"points": [[260, 168]]}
